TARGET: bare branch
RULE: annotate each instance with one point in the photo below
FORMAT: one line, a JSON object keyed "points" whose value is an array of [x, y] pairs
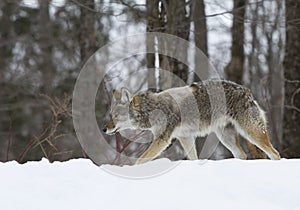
{"points": [[84, 6]]}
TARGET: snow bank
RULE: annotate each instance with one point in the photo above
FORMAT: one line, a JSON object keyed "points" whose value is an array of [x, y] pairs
{"points": [[79, 184]]}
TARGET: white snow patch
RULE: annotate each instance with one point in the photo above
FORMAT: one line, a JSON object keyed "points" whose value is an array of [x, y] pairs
{"points": [[79, 184]]}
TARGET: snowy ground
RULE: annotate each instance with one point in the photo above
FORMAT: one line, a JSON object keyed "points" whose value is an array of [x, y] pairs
{"points": [[79, 184]]}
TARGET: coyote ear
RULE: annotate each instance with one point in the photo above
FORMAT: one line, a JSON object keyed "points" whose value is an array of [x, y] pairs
{"points": [[116, 95], [135, 101], [125, 95]]}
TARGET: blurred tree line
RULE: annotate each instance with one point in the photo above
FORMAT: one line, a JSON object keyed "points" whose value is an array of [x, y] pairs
{"points": [[44, 44]]}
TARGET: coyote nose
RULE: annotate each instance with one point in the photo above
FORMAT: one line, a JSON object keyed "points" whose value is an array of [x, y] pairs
{"points": [[104, 130]]}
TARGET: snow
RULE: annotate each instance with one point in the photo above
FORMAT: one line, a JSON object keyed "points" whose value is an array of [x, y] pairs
{"points": [[79, 184]]}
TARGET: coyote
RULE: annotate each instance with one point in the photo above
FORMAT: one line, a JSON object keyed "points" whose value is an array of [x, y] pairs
{"points": [[184, 113]]}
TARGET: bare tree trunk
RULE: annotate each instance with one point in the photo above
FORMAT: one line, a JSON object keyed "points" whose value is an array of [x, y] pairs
{"points": [[6, 53], [200, 26], [276, 103], [291, 121], [234, 70], [87, 36], [6, 33], [255, 69], [200, 36], [179, 25], [46, 44], [153, 25], [276, 78]]}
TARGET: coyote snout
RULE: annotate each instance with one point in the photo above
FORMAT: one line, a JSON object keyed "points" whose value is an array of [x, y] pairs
{"points": [[241, 115], [110, 127]]}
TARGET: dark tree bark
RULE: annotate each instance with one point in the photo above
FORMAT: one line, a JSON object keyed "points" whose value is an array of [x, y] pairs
{"points": [[291, 121], [179, 25], [46, 44], [176, 23], [153, 25], [6, 94], [200, 26], [6, 34], [167, 17], [275, 76], [87, 36], [234, 70], [200, 36]]}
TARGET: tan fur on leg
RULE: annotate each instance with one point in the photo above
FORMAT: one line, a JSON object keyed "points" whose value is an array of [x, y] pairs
{"points": [[154, 150]]}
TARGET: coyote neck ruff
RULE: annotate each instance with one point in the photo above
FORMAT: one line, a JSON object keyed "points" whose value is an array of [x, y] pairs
{"points": [[184, 113]]}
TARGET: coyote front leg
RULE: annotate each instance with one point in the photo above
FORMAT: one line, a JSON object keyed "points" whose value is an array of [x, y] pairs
{"points": [[189, 147], [155, 149]]}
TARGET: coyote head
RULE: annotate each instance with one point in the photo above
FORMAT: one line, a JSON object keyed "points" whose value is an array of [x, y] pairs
{"points": [[119, 113]]}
